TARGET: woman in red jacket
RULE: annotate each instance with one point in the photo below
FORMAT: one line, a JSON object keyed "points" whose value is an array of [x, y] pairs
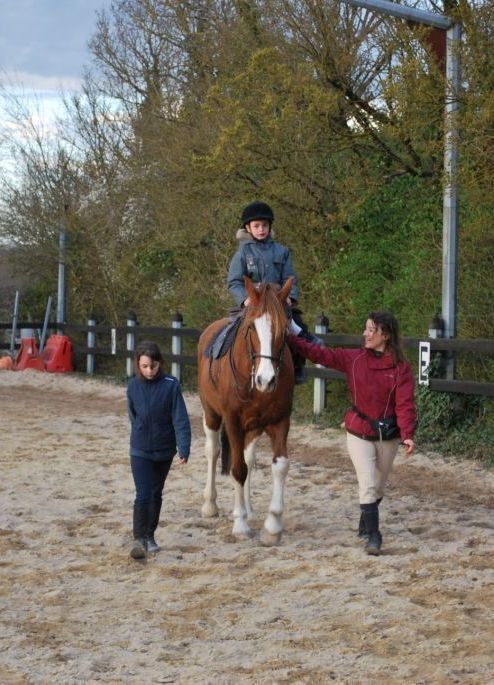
{"points": [[382, 414]]}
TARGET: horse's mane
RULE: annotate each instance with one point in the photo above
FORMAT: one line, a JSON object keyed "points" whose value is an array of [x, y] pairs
{"points": [[268, 304]]}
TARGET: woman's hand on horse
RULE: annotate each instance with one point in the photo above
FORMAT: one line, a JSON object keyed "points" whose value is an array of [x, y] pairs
{"points": [[246, 302]]}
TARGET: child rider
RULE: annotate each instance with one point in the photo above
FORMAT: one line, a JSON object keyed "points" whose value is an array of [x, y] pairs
{"points": [[265, 261]]}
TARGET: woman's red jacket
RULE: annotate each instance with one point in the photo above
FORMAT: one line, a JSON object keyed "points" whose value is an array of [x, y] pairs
{"points": [[380, 388]]}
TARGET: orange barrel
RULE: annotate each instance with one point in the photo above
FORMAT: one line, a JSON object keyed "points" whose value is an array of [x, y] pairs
{"points": [[28, 356], [57, 354]]}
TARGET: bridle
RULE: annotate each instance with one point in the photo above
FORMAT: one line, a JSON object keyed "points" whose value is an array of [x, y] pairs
{"points": [[247, 386], [276, 359]]}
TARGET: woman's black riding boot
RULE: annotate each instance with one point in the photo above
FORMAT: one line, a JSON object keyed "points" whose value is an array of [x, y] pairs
{"points": [[298, 368], [370, 513], [154, 517], [140, 523], [362, 529]]}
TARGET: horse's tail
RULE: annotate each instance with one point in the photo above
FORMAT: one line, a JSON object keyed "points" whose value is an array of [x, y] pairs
{"points": [[225, 452]]}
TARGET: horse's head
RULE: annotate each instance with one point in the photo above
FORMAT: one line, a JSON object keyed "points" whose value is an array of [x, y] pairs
{"points": [[266, 314]]}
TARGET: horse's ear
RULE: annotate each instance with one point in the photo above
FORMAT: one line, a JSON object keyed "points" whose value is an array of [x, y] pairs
{"points": [[285, 290], [252, 292]]}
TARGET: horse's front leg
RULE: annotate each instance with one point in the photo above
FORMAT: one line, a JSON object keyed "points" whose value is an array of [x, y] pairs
{"points": [[241, 528], [273, 525], [250, 460], [209, 507]]}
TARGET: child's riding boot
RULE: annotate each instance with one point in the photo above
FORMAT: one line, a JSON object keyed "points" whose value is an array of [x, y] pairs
{"points": [[298, 368]]}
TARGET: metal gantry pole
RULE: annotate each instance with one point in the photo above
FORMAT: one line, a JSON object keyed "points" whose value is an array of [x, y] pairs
{"points": [[61, 282], [14, 322], [450, 195]]}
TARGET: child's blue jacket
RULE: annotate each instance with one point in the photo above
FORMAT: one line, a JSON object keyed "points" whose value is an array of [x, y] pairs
{"points": [[264, 262]]}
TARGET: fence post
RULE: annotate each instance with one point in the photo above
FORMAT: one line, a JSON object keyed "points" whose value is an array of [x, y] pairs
{"points": [[131, 343], [91, 344], [322, 323], [177, 344], [439, 360]]}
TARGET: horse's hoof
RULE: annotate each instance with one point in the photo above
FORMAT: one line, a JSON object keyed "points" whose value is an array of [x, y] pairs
{"points": [[209, 511], [243, 537], [270, 539], [242, 532]]}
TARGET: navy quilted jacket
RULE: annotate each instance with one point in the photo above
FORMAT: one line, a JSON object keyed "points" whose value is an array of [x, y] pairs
{"points": [[159, 420]]}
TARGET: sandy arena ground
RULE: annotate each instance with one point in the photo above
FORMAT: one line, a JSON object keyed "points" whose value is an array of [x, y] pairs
{"points": [[210, 610]]}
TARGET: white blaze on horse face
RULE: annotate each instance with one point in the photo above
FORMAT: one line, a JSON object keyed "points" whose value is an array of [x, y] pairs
{"points": [[264, 373]]}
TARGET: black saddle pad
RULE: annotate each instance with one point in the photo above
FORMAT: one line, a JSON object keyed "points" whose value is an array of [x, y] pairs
{"points": [[223, 340]]}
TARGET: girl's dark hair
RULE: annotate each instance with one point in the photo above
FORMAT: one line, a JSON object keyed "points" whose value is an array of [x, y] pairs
{"points": [[390, 327], [148, 349]]}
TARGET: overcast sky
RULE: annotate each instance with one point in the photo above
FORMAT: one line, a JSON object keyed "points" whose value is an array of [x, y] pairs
{"points": [[43, 43], [43, 50]]}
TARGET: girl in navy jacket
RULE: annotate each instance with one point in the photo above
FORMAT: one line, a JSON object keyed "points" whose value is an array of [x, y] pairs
{"points": [[160, 428]]}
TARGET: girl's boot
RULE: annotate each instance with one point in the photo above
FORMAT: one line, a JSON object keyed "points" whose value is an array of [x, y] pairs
{"points": [[154, 517], [140, 522]]}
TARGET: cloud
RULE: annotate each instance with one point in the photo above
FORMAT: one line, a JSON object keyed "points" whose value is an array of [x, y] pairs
{"points": [[22, 80], [47, 37]]}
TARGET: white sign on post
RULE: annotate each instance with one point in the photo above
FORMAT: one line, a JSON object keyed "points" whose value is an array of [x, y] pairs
{"points": [[114, 341], [424, 362]]}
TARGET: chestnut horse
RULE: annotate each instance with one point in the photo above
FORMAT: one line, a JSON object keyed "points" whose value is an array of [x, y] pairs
{"points": [[244, 393]]}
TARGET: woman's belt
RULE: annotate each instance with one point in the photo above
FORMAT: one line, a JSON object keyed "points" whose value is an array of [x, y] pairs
{"points": [[371, 438]]}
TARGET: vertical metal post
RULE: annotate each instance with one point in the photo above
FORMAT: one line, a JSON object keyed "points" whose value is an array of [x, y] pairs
{"points": [[450, 196], [322, 324], [45, 325], [131, 343], [14, 322], [177, 345], [61, 282], [91, 344]]}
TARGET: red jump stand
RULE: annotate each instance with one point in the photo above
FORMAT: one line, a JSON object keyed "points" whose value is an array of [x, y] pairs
{"points": [[28, 356], [57, 354]]}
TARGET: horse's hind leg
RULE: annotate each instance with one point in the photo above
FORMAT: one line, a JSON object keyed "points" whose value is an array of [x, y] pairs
{"points": [[273, 525], [209, 508]]}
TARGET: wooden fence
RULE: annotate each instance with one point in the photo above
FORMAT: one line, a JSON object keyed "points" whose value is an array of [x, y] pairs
{"points": [[93, 341]]}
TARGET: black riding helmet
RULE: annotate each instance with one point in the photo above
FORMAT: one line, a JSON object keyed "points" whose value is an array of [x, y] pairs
{"points": [[257, 210]]}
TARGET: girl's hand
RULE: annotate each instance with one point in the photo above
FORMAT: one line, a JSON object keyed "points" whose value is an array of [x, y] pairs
{"points": [[409, 447], [181, 460]]}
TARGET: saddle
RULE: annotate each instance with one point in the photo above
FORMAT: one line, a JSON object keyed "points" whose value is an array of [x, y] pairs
{"points": [[223, 340]]}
